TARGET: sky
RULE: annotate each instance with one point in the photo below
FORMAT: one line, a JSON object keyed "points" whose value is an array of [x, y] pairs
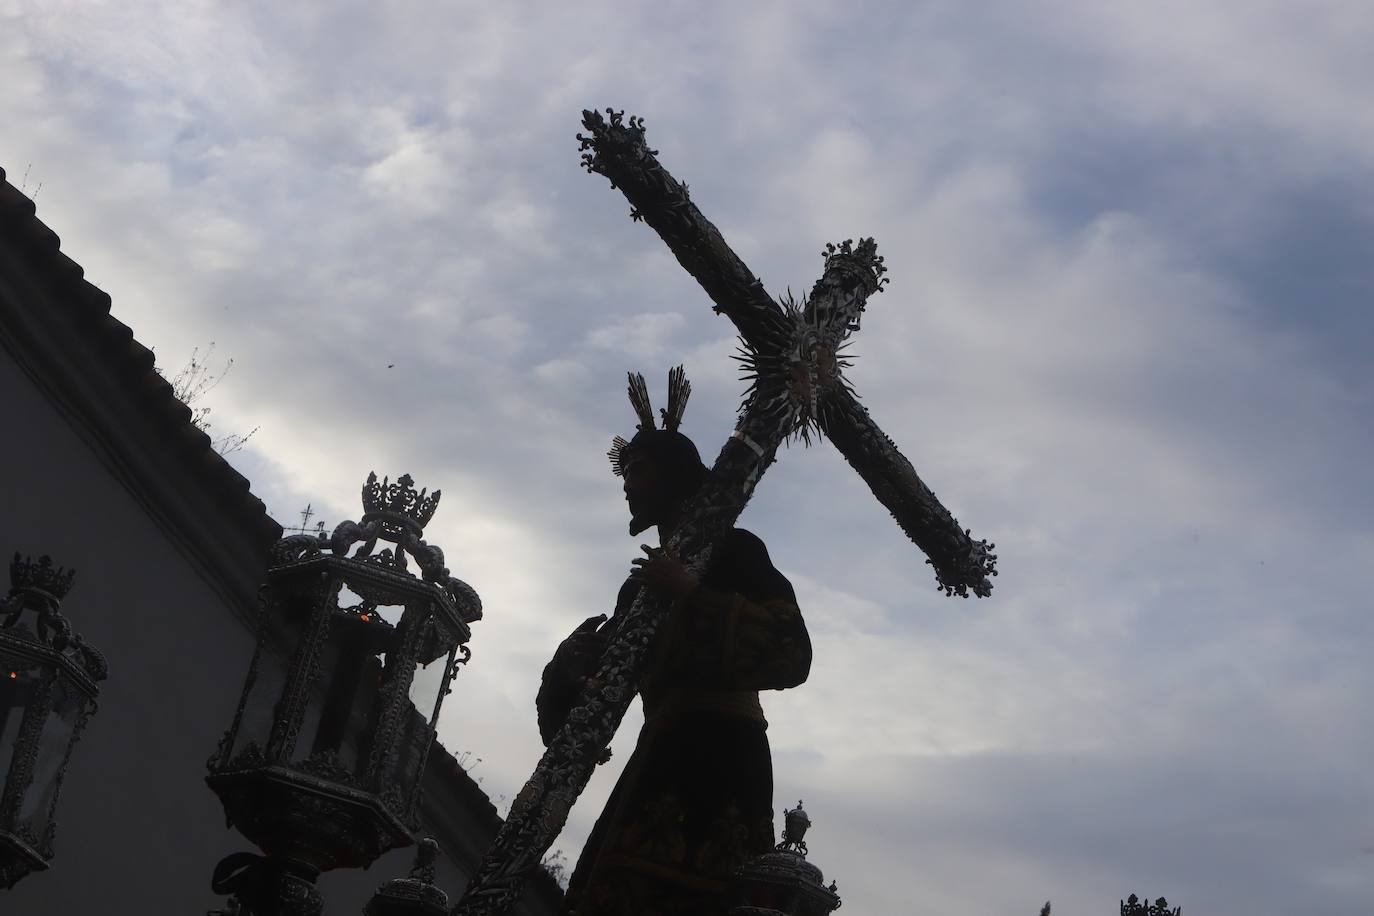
{"points": [[1126, 339]]}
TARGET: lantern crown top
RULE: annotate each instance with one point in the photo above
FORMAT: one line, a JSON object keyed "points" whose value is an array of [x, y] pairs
{"points": [[38, 587], [397, 503], [42, 577], [394, 513]]}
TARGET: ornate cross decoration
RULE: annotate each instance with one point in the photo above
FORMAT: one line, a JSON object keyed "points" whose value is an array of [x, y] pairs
{"points": [[792, 352]]}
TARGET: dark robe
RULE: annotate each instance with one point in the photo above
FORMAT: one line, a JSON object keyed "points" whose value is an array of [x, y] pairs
{"points": [[695, 800]]}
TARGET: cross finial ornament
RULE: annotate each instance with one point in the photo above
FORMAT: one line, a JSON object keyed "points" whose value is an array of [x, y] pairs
{"points": [[793, 356]]}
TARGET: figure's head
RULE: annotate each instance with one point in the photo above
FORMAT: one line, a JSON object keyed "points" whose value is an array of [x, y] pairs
{"points": [[661, 467]]}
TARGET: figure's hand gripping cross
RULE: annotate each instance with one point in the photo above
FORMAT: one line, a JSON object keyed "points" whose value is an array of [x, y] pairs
{"points": [[793, 352]]}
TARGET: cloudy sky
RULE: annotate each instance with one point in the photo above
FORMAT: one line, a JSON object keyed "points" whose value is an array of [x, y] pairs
{"points": [[1126, 339]]}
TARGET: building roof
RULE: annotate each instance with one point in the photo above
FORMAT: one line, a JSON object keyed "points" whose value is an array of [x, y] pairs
{"points": [[89, 307], [59, 329]]}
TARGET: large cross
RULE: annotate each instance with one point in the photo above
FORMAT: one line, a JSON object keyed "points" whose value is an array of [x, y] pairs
{"points": [[792, 351]]}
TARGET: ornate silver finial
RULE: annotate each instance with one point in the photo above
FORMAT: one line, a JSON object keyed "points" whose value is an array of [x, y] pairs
{"points": [[794, 826], [426, 854], [783, 882], [415, 895]]}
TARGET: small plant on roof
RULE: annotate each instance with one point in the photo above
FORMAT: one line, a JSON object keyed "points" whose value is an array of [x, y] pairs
{"points": [[195, 380]]}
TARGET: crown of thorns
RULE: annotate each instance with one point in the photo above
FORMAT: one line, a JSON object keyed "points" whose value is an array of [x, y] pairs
{"points": [[679, 389]]}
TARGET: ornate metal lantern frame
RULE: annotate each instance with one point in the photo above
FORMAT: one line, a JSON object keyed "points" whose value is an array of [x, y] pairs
{"points": [[48, 690], [322, 764]]}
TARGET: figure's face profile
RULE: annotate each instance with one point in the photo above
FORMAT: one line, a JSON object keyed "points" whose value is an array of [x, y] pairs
{"points": [[644, 492]]}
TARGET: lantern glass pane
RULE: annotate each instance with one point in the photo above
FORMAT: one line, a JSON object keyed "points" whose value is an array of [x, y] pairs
{"points": [[59, 728], [427, 685], [341, 709], [415, 734], [18, 683], [260, 706]]}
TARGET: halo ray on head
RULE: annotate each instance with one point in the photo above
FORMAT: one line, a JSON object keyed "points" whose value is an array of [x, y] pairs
{"points": [[679, 390], [639, 400]]}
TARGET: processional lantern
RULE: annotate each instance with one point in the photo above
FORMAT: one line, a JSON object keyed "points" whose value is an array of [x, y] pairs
{"points": [[48, 688], [321, 766], [783, 882]]}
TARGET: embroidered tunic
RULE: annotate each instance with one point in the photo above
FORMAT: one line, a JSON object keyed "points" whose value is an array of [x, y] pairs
{"points": [[695, 800]]}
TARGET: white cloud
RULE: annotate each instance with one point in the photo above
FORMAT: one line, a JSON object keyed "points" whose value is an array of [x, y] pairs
{"points": [[642, 336], [420, 171], [1302, 71]]}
